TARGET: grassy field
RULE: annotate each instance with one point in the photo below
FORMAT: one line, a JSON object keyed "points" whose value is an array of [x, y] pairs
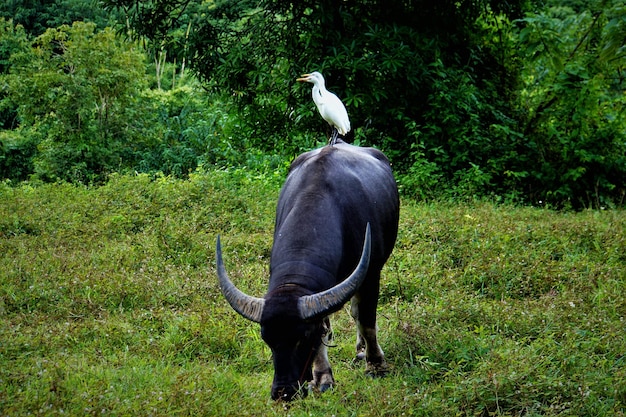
{"points": [[109, 305]]}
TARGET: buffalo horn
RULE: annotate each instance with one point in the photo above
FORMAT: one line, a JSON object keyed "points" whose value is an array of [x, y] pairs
{"points": [[249, 307], [331, 300]]}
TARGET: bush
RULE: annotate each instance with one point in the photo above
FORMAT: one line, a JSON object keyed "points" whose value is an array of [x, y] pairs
{"points": [[72, 90], [16, 155]]}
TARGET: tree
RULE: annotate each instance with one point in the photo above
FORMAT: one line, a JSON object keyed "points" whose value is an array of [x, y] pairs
{"points": [[466, 97], [73, 89], [572, 104], [13, 39], [380, 57], [15, 155], [37, 16]]}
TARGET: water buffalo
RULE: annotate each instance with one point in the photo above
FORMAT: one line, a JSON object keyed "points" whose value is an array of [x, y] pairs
{"points": [[336, 225]]}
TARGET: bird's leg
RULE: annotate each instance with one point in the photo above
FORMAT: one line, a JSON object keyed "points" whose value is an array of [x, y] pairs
{"points": [[333, 136]]}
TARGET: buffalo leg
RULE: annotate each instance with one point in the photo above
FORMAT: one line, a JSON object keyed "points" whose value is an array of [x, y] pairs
{"points": [[363, 310], [322, 373]]}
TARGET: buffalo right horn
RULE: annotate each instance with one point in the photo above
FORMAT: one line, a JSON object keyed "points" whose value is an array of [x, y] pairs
{"points": [[331, 300], [249, 307]]}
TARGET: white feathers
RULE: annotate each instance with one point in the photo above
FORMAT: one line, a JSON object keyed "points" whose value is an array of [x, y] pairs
{"points": [[330, 107]]}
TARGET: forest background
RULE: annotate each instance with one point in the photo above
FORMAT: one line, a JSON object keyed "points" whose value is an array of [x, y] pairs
{"points": [[519, 101]]}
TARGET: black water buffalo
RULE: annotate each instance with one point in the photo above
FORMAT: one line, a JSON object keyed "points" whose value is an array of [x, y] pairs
{"points": [[336, 225]]}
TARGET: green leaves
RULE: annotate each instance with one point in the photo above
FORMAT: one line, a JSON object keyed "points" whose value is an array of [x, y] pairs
{"points": [[614, 47], [570, 103], [73, 86], [466, 98]]}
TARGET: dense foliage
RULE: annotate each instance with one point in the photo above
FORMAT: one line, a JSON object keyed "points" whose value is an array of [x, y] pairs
{"points": [[77, 106], [38, 16], [73, 92], [522, 100], [465, 97], [572, 104]]}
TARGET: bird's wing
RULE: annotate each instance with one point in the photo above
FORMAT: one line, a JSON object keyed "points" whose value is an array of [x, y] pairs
{"points": [[337, 113]]}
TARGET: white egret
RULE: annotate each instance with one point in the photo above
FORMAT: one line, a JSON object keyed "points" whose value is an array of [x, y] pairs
{"points": [[329, 105]]}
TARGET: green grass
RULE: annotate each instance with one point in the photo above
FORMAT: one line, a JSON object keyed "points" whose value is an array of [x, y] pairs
{"points": [[109, 305]]}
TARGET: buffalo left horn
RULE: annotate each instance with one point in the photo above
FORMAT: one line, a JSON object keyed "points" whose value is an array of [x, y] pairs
{"points": [[331, 300], [249, 307]]}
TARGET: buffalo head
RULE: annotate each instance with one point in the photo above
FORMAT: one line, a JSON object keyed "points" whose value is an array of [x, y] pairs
{"points": [[293, 321]]}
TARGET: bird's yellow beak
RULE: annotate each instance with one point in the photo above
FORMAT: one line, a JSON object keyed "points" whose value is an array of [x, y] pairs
{"points": [[305, 78]]}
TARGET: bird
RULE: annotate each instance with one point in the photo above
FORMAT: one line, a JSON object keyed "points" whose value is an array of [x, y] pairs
{"points": [[329, 105]]}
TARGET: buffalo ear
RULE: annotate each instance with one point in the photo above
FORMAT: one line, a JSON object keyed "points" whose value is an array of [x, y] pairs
{"points": [[318, 305], [249, 307]]}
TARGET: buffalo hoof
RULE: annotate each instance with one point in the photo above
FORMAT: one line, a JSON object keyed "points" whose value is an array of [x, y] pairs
{"points": [[323, 380], [360, 355], [376, 370], [325, 387], [320, 388]]}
